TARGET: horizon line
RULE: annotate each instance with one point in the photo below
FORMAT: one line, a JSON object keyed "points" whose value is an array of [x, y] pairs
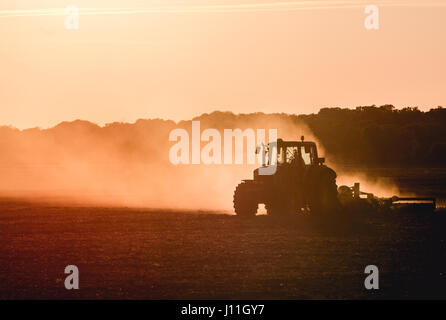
{"points": [[103, 125]]}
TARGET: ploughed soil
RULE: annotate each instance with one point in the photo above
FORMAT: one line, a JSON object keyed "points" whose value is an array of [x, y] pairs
{"points": [[128, 253]]}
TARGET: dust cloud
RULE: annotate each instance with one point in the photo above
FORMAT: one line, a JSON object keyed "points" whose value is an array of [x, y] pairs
{"points": [[123, 164]]}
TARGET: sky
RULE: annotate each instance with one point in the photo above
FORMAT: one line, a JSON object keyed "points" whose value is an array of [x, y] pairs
{"points": [[176, 59]]}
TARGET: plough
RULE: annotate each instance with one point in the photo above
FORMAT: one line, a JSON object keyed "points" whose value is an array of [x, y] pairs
{"points": [[353, 196]]}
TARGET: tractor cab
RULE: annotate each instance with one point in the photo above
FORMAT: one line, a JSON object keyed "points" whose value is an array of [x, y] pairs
{"points": [[291, 157], [297, 153]]}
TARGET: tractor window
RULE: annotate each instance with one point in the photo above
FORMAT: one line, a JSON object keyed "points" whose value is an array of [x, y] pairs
{"points": [[280, 155], [306, 154], [297, 153], [290, 153]]}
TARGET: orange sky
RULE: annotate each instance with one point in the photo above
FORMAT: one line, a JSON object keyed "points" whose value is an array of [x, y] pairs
{"points": [[179, 58]]}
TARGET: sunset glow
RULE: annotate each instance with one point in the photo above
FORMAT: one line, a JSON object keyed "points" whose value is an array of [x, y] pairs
{"points": [[177, 59]]}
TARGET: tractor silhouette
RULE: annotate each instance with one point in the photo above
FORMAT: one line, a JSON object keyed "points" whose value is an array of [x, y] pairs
{"points": [[300, 183]]}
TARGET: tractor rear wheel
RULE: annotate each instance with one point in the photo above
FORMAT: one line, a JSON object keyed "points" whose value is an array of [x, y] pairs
{"points": [[322, 195]]}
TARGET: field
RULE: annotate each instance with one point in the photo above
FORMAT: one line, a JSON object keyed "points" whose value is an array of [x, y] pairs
{"points": [[151, 254]]}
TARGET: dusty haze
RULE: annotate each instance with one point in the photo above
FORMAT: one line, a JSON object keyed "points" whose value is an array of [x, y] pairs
{"points": [[128, 164]]}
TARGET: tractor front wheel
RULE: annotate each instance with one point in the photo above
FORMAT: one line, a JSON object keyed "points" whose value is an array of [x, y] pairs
{"points": [[245, 202]]}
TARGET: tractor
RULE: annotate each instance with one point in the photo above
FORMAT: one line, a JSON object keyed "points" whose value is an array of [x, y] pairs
{"points": [[300, 183]]}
